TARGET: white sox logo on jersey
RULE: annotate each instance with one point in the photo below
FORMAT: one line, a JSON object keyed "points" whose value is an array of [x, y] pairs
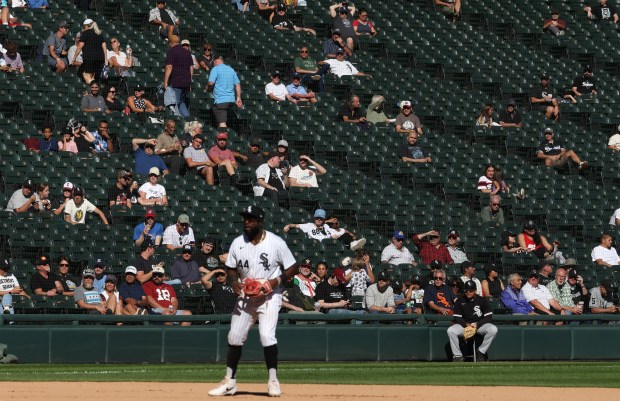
{"points": [[264, 260], [477, 311]]}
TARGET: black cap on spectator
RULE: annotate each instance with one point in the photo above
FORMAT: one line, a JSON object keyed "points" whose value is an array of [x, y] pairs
{"points": [[255, 142], [78, 191], [5, 265], [545, 77], [607, 285], [147, 243], [28, 184], [572, 273], [436, 265], [533, 273]]}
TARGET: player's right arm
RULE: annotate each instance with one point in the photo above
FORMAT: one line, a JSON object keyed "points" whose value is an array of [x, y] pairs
{"points": [[233, 281]]}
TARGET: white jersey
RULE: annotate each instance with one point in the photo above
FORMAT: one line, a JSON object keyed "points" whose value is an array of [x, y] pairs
{"points": [[261, 261], [314, 232]]}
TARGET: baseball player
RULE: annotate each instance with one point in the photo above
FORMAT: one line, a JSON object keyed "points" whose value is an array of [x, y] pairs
{"points": [[472, 313], [258, 262]]}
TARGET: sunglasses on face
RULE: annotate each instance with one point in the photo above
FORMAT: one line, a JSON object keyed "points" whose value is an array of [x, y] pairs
{"points": [[304, 51], [63, 265], [158, 275], [207, 49], [495, 204], [438, 278]]}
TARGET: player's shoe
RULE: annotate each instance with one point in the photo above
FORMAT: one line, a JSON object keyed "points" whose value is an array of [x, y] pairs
{"points": [[273, 388], [359, 244], [227, 386]]}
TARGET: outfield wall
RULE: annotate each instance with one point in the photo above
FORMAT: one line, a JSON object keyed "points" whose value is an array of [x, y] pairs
{"points": [[156, 344]]}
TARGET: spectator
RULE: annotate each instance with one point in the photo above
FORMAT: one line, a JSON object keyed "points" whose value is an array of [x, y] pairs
{"points": [[146, 159], [585, 85], [432, 249], [469, 274], [555, 25], [276, 91], [67, 144], [66, 279], [151, 192], [264, 8], [143, 263], [44, 281], [82, 138], [149, 230], [396, 253], [562, 293], [360, 276], [486, 182], [543, 98], [137, 103], [331, 296], [55, 48], [578, 290], [222, 294], [197, 159], [406, 121], [255, 157], [472, 310], [43, 205], [342, 15], [9, 286], [600, 298], [415, 293], [94, 48], [451, 8], [226, 87], [308, 68], [540, 298], [602, 12], [492, 285], [79, 60], [493, 213], [121, 192], [280, 21], [283, 155], [555, 154], [305, 173], [24, 199], [614, 141], [514, 299], [306, 280], [161, 297], [605, 254], [179, 234], [318, 231], [111, 102], [103, 143], [206, 59], [12, 58], [351, 112], [178, 76], [510, 117], [169, 147], [485, 118], [271, 182], [321, 271], [362, 25], [545, 270], [121, 62], [530, 240], [438, 296], [614, 220], [411, 152], [93, 101], [88, 298], [379, 297], [185, 269], [132, 296], [47, 143], [76, 208], [341, 67], [186, 45], [110, 297], [334, 224], [99, 267], [59, 202], [165, 19], [223, 157], [456, 253], [207, 256], [190, 130], [374, 111], [298, 92]]}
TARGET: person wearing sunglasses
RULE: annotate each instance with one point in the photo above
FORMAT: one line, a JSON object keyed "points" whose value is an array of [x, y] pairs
{"points": [[438, 296], [185, 269], [111, 100], [67, 280], [179, 234], [206, 59], [431, 248], [396, 253], [120, 193], [161, 297], [493, 213], [146, 158], [342, 14], [554, 154], [44, 281]]}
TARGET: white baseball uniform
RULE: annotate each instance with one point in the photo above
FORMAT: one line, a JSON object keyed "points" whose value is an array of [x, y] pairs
{"points": [[265, 260]]}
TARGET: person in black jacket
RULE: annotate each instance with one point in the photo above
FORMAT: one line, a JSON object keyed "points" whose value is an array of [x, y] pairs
{"points": [[471, 309]]}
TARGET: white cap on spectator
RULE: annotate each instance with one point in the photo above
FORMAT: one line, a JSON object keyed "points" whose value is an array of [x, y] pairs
{"points": [[88, 21], [67, 185]]}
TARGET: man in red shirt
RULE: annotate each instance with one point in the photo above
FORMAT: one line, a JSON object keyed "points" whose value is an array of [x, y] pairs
{"points": [[222, 156], [432, 249], [161, 298]]}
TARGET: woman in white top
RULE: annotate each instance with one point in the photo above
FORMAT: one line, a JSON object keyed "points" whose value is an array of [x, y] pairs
{"points": [[120, 61], [485, 182], [152, 193]]}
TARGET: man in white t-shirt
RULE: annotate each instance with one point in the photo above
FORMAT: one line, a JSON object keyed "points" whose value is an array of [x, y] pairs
{"points": [[615, 218], [341, 67], [151, 192], [179, 234], [614, 141], [9, 286], [76, 208], [605, 254], [304, 174], [275, 90], [320, 231], [539, 297]]}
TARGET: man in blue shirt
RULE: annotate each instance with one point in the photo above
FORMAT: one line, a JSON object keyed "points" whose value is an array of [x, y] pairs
{"points": [[131, 294], [514, 299], [298, 92], [146, 159], [149, 229], [226, 87]]}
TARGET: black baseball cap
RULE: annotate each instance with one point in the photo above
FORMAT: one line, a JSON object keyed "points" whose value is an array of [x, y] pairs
{"points": [[147, 243], [545, 77], [5, 265], [253, 211], [572, 273], [533, 273], [28, 184], [436, 265], [469, 286]]}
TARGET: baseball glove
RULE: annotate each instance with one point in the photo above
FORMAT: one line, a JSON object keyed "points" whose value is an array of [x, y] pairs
{"points": [[254, 287], [469, 332]]}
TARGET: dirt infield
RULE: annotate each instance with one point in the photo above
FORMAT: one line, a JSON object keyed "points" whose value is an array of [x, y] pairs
{"points": [[72, 391]]}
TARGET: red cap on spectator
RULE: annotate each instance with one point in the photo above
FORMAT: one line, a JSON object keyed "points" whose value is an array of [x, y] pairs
{"points": [[222, 135]]}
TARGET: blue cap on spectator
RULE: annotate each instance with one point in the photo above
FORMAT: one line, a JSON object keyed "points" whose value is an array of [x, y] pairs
{"points": [[398, 234], [320, 213]]}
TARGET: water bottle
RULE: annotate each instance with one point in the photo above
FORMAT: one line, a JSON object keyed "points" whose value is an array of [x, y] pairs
{"points": [[171, 308]]}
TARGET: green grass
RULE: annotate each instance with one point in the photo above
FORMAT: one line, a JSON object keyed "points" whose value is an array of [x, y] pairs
{"points": [[575, 374]]}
